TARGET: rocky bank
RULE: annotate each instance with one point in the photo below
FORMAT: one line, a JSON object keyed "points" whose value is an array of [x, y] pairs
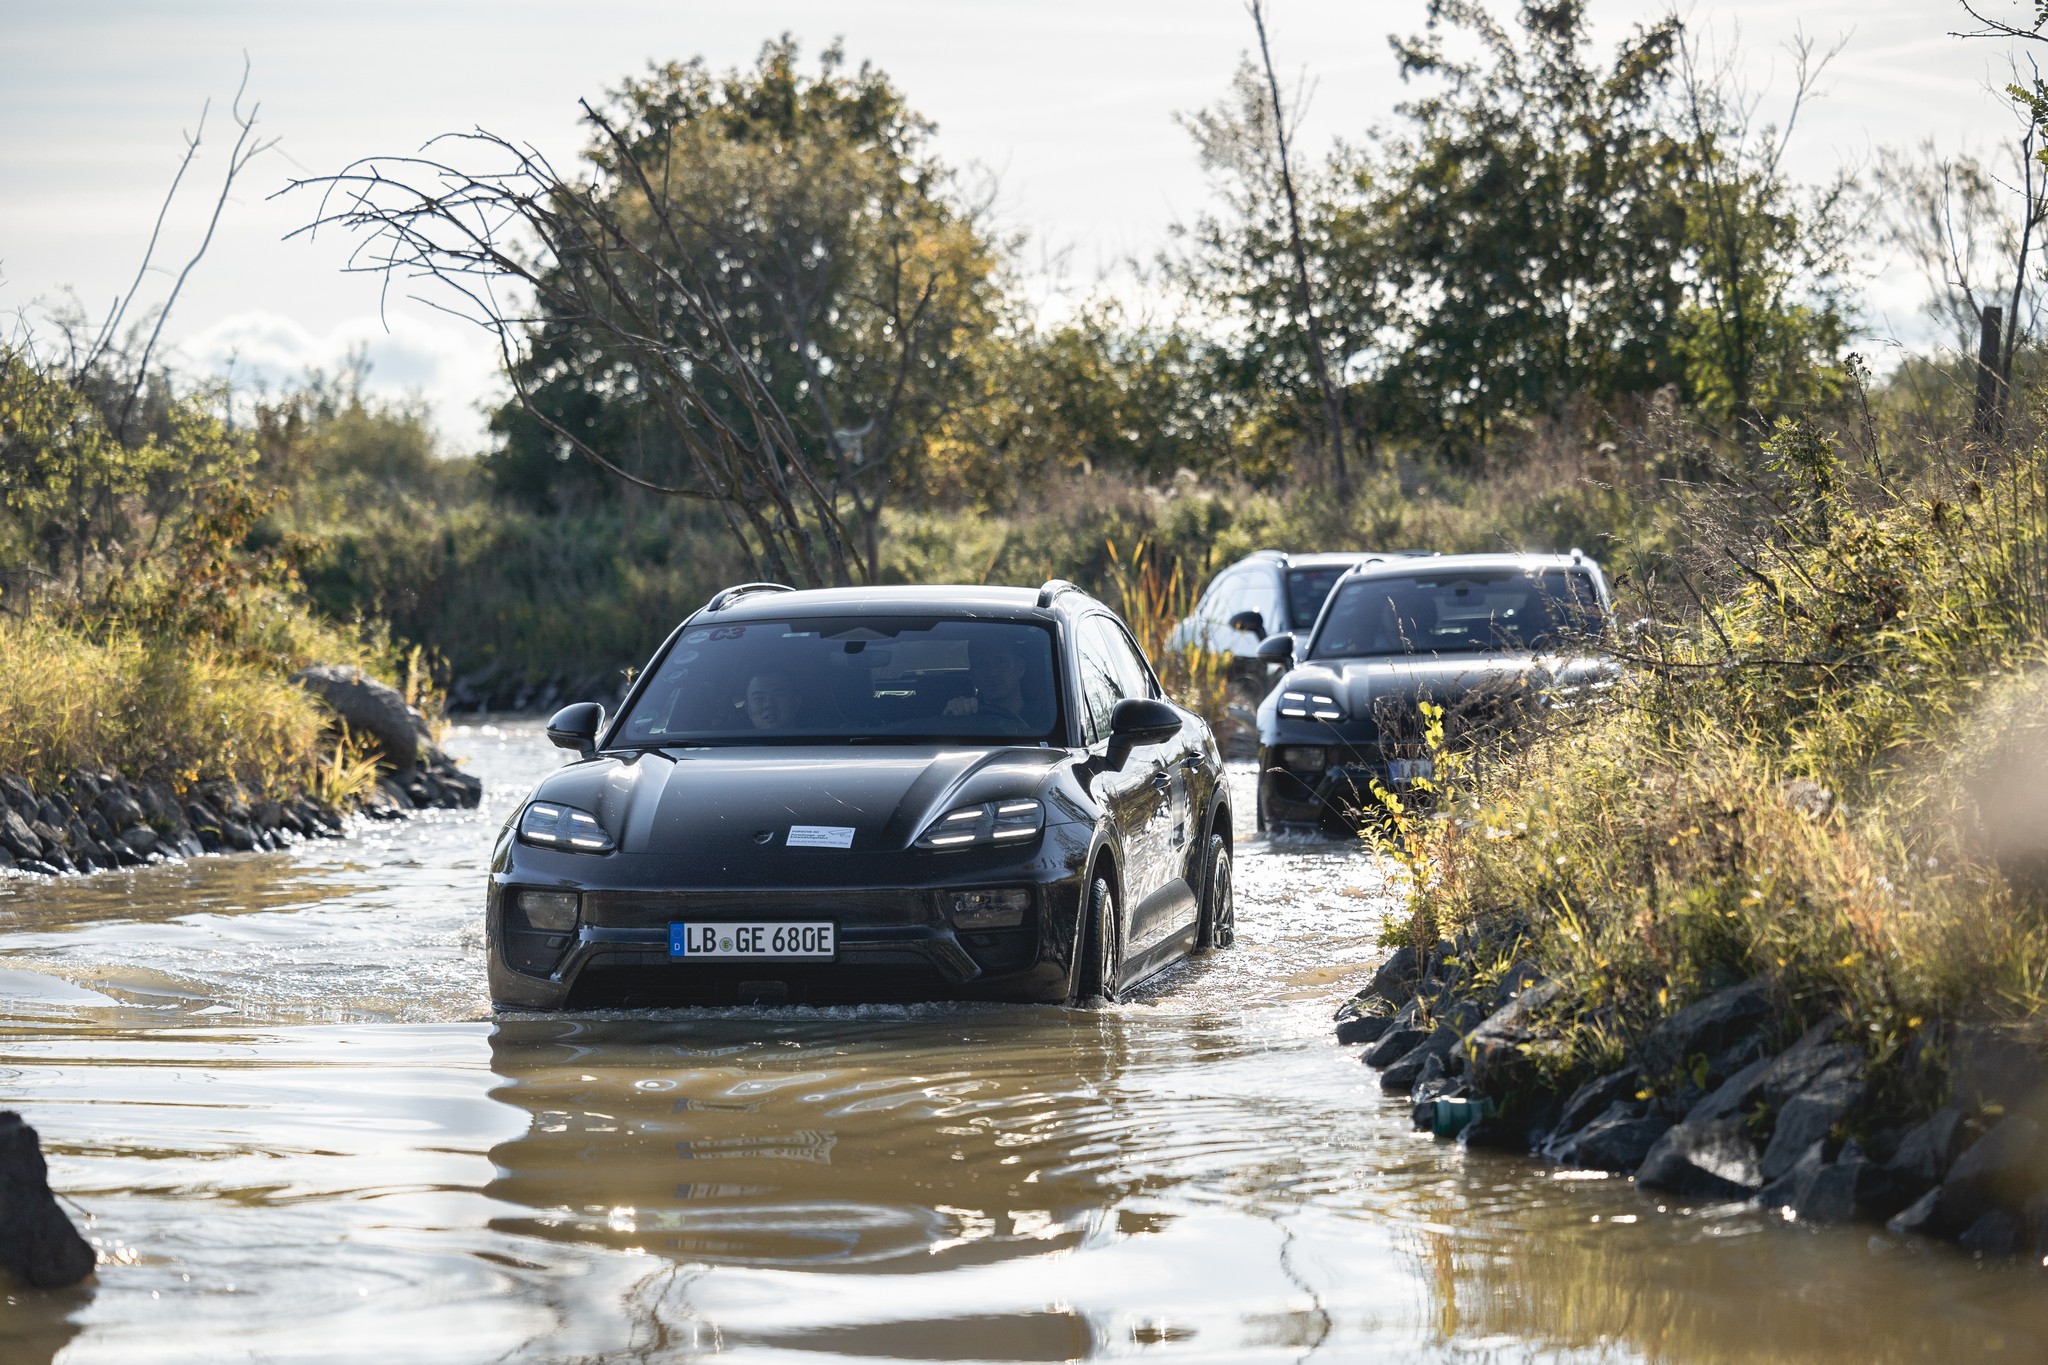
{"points": [[1722, 1101], [92, 820]]}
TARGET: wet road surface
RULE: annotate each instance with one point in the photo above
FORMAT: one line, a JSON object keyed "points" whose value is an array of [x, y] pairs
{"points": [[273, 1091]]}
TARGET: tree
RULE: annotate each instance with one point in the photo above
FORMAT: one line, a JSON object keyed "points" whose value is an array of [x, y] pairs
{"points": [[1534, 228], [1294, 304], [763, 292], [1766, 313]]}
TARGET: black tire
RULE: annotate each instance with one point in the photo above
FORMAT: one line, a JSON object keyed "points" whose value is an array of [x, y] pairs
{"points": [[1102, 947], [1219, 898]]}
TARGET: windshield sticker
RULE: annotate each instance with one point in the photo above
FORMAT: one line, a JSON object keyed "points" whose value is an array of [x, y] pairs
{"points": [[821, 836]]}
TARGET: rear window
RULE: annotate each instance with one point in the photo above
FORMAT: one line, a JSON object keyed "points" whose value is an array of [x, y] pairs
{"points": [[1458, 612]]}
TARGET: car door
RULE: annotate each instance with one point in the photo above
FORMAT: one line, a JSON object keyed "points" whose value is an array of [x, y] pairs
{"points": [[1137, 804], [1168, 905]]}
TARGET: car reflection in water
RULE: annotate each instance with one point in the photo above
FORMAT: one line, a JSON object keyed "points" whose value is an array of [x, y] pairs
{"points": [[843, 1143]]}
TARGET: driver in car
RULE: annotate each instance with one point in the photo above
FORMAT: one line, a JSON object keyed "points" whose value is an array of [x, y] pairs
{"points": [[772, 700], [996, 668]]}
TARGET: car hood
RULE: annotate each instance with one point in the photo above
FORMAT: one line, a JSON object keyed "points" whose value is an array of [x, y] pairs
{"points": [[728, 808], [1373, 692]]}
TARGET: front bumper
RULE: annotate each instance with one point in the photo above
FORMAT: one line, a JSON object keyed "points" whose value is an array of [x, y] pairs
{"points": [[893, 942], [1339, 796]]}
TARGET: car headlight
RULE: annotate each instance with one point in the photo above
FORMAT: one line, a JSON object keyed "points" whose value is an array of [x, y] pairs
{"points": [[991, 822], [1306, 705], [550, 824]]}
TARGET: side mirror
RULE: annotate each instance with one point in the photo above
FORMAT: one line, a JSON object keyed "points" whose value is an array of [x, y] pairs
{"points": [[1141, 720], [1278, 649], [1249, 621], [575, 727]]}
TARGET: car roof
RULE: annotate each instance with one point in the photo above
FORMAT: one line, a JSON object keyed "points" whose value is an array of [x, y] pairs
{"points": [[1315, 559], [774, 604], [1495, 560]]}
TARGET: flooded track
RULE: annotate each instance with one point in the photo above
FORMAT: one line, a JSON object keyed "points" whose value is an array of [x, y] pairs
{"points": [[273, 1089]]}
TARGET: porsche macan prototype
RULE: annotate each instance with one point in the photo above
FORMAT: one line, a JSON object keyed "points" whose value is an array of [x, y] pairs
{"points": [[858, 794], [1490, 638]]}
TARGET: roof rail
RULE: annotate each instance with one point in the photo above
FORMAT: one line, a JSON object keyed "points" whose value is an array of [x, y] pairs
{"points": [[1053, 588], [727, 596]]}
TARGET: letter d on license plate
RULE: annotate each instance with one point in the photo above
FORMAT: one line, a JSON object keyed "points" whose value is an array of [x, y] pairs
{"points": [[709, 941]]}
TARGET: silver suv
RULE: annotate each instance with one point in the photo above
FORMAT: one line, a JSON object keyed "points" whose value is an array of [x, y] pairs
{"points": [[1268, 592]]}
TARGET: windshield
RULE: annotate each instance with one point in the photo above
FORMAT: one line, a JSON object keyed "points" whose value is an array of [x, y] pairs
{"points": [[1458, 612], [819, 680], [1306, 589]]}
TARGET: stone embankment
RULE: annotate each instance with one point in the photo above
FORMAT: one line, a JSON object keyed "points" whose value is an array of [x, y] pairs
{"points": [[90, 821], [1719, 1103]]}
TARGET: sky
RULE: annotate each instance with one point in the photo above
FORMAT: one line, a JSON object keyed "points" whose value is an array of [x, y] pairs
{"points": [[1070, 104]]}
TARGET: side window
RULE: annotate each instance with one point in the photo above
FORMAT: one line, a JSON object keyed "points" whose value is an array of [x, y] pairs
{"points": [[1265, 599], [1100, 686], [1134, 679], [1219, 604]]}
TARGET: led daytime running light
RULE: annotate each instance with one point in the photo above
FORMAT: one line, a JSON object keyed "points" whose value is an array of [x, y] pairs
{"points": [[550, 824], [1310, 706], [992, 822]]}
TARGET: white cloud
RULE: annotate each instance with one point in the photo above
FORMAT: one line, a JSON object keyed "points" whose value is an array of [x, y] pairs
{"points": [[452, 368]]}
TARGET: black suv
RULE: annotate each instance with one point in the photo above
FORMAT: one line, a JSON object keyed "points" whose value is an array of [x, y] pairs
{"points": [[1484, 636], [869, 793]]}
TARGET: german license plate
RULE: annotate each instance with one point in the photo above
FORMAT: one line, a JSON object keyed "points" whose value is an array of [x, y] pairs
{"points": [[812, 939], [1410, 769]]}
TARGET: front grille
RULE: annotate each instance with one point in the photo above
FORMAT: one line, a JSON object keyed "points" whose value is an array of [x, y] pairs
{"points": [[658, 909]]}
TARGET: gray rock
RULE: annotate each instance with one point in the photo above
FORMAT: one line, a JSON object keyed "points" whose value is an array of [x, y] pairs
{"points": [[1618, 1140], [141, 841], [17, 837], [120, 810], [2001, 1170], [7, 863], [1738, 1094], [39, 1247], [1991, 1071], [372, 710], [18, 794], [1593, 1099], [1395, 1044], [1706, 1028], [1714, 1160], [1805, 1120], [1997, 1233], [1362, 1028], [1399, 1077], [1495, 1049], [398, 796], [53, 813], [1925, 1153], [1916, 1217]]}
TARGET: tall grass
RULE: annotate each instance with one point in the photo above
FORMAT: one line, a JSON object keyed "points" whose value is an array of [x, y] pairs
{"points": [[1154, 598], [174, 710]]}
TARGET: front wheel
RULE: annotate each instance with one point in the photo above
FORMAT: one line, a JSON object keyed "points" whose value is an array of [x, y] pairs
{"points": [[1219, 899], [1102, 947]]}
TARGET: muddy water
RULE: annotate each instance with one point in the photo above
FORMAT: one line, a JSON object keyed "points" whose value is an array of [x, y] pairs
{"points": [[273, 1090]]}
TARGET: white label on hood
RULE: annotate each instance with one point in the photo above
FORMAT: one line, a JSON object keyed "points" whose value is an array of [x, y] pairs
{"points": [[821, 836]]}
